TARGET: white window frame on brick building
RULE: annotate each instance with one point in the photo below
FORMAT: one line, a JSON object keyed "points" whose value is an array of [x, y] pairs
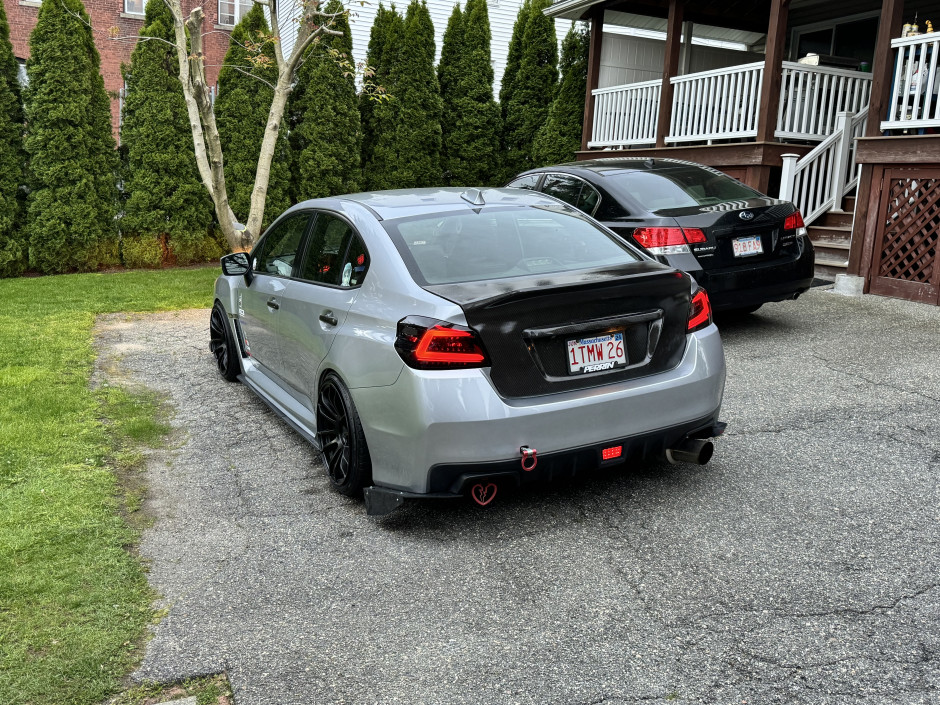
{"points": [[231, 11], [134, 7]]}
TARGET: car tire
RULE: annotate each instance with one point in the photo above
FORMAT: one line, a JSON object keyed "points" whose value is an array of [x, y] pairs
{"points": [[222, 344], [342, 441]]}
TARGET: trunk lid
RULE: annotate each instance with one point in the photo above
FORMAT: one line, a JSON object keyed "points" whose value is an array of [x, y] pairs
{"points": [[723, 224], [526, 323]]}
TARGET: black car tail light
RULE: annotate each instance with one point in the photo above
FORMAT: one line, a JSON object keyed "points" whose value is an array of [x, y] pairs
{"points": [[429, 344], [700, 311], [668, 241], [794, 221]]}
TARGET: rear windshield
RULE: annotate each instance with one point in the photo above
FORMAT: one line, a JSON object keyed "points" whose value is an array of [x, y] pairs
{"points": [[499, 242], [681, 187]]}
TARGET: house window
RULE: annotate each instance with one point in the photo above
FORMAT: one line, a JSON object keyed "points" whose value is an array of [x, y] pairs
{"points": [[231, 11], [134, 7], [21, 73]]}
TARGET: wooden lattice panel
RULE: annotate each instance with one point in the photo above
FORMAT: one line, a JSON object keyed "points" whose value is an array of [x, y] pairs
{"points": [[912, 230]]}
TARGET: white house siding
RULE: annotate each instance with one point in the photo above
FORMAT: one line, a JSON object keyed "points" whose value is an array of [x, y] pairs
{"points": [[628, 59], [502, 18]]}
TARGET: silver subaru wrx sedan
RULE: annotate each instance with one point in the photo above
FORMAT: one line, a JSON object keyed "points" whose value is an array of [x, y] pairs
{"points": [[444, 342]]}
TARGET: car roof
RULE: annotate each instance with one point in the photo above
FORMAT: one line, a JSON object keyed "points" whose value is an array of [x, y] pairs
{"points": [[611, 166], [404, 203]]}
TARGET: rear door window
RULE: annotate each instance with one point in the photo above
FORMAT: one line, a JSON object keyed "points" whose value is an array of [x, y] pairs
{"points": [[326, 250], [530, 182], [565, 188]]}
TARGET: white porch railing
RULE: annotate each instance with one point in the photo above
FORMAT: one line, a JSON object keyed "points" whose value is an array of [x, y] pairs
{"points": [[725, 104], [716, 104], [812, 96], [914, 103], [817, 182], [626, 115]]}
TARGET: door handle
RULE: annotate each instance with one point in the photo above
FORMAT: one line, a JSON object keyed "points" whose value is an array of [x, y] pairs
{"points": [[328, 318], [273, 304]]}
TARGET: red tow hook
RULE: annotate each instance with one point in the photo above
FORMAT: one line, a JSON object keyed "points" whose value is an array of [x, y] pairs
{"points": [[528, 454]]}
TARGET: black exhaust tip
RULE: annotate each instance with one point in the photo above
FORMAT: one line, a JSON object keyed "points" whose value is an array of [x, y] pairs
{"points": [[696, 451]]}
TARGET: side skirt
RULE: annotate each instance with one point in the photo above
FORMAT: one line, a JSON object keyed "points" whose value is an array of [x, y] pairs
{"points": [[284, 414]]}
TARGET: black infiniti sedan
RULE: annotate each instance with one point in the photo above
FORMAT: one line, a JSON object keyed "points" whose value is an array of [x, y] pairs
{"points": [[744, 248]]}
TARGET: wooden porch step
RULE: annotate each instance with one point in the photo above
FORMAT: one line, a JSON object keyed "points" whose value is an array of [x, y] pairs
{"points": [[835, 233], [826, 245], [848, 204], [828, 265], [835, 219]]}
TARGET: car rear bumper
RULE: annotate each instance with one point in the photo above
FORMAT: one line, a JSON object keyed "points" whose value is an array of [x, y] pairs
{"points": [[430, 427], [760, 283]]}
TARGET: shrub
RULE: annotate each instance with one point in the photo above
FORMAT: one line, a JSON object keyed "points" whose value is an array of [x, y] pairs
{"points": [[73, 163], [165, 194], [474, 154], [533, 88], [326, 135], [560, 137], [13, 248]]}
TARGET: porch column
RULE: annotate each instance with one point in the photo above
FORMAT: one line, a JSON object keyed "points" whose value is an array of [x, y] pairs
{"points": [[868, 191], [889, 27], [593, 76], [773, 71], [670, 69]]}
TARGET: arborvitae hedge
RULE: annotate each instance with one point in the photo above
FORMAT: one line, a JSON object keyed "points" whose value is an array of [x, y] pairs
{"points": [[533, 88], [418, 133], [165, 196], [326, 136], [241, 113], [560, 137], [474, 151], [73, 162], [374, 63], [506, 88], [13, 248], [448, 79], [381, 120]]}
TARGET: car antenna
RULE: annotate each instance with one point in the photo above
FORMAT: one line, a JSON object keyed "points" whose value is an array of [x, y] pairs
{"points": [[649, 163], [473, 196]]}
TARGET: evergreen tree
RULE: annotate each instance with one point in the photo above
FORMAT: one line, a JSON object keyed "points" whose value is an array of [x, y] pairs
{"points": [[326, 136], [418, 130], [533, 88], [560, 137], [474, 151], [381, 171], [374, 62], [513, 57], [165, 194], [241, 112], [13, 248], [448, 77], [73, 162]]}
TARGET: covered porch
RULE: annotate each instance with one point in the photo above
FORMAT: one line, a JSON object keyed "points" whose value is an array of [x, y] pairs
{"points": [[778, 94]]}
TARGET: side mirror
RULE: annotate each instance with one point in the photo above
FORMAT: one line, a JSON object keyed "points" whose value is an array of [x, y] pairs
{"points": [[235, 264]]}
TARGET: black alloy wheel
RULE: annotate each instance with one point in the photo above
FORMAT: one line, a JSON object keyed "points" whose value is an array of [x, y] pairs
{"points": [[222, 344], [342, 441]]}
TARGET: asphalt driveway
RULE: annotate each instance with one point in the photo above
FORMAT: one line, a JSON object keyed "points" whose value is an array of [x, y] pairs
{"points": [[802, 565]]}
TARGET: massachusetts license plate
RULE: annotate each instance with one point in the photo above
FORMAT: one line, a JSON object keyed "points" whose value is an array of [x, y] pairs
{"points": [[744, 246], [602, 352]]}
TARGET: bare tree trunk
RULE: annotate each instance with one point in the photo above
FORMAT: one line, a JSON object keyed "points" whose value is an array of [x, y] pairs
{"points": [[209, 158]]}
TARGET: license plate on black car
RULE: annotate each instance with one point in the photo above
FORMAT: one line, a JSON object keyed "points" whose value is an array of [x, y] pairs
{"points": [[596, 354], [744, 246]]}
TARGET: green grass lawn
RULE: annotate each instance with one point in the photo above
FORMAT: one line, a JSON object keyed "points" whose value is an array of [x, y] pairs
{"points": [[73, 601]]}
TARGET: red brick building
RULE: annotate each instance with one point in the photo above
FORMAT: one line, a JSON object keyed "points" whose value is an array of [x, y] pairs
{"points": [[128, 17]]}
